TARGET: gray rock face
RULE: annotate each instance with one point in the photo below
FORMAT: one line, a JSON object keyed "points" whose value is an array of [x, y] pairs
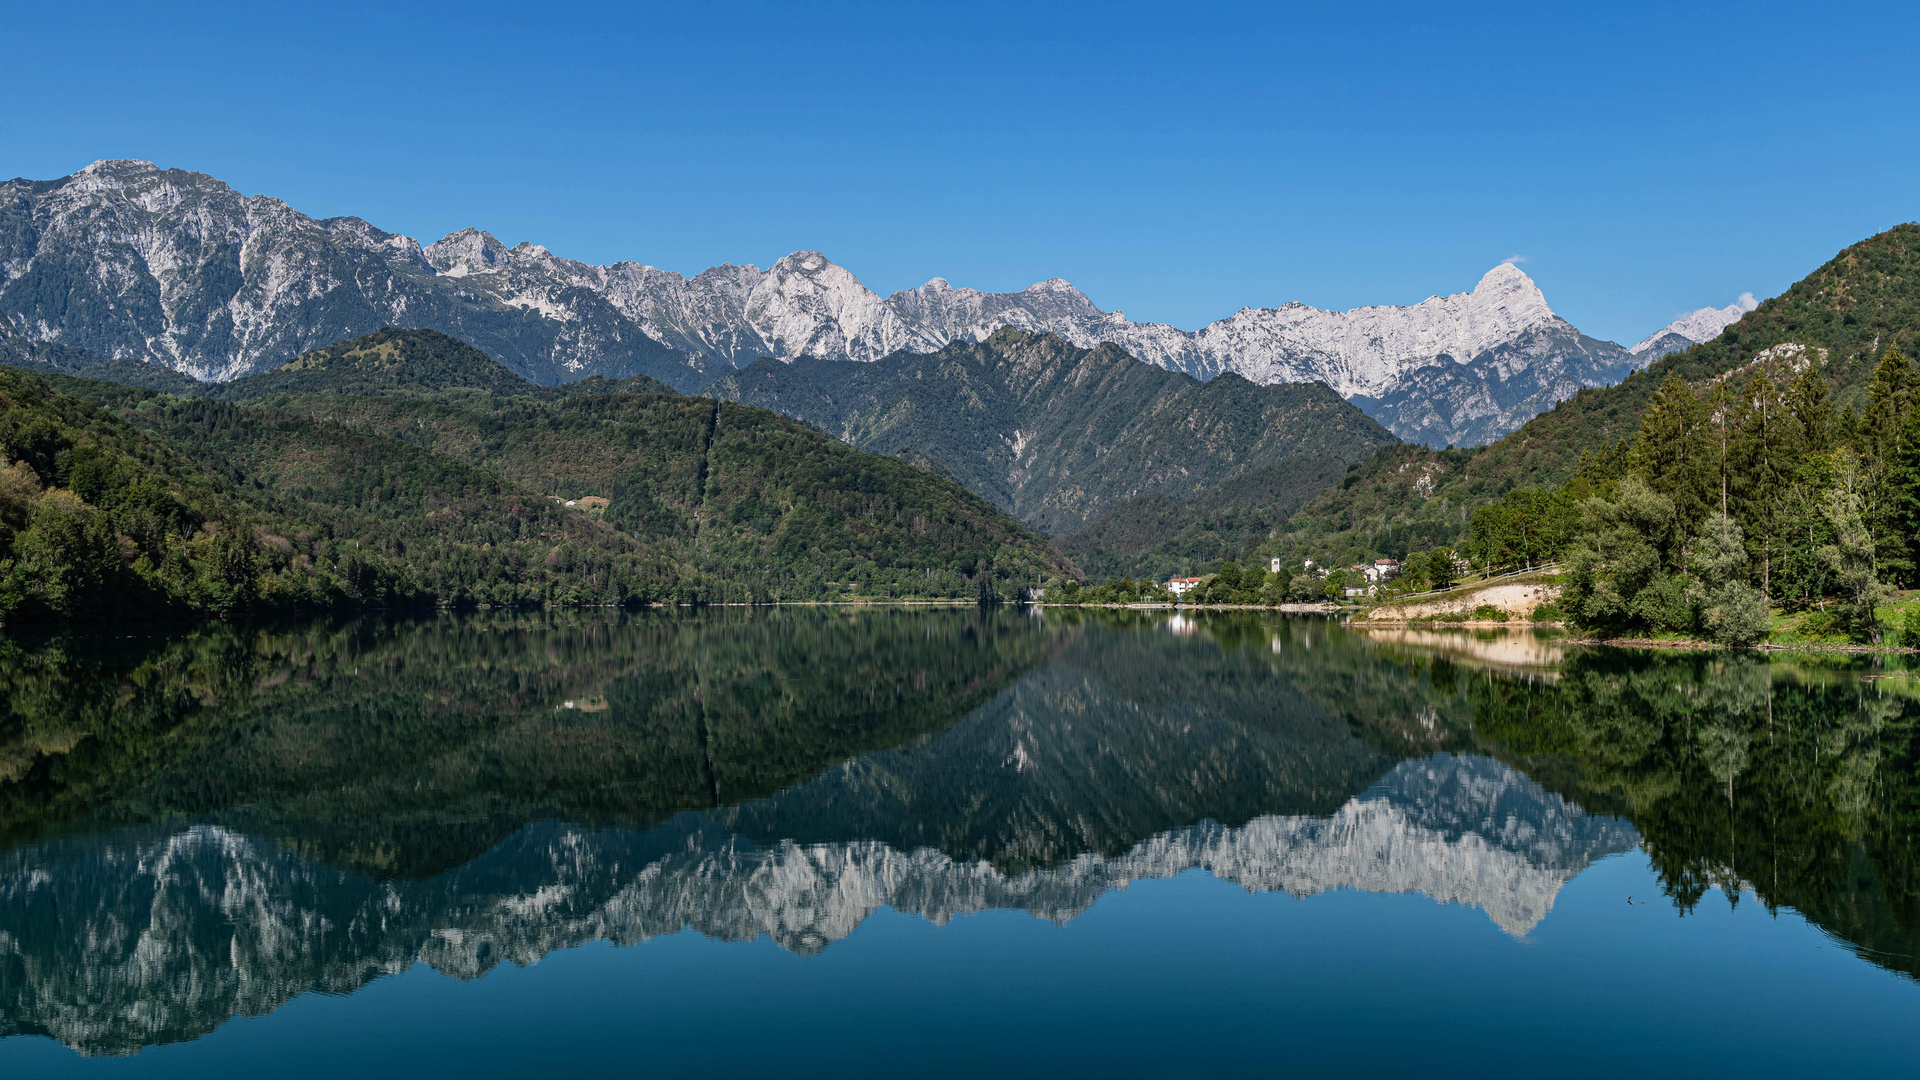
{"points": [[1446, 403], [178, 269]]}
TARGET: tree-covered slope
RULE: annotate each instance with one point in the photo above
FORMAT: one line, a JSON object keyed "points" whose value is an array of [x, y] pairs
{"points": [[166, 506], [1053, 434], [407, 361], [1844, 315], [100, 520], [759, 505], [1157, 537], [399, 481], [387, 360]]}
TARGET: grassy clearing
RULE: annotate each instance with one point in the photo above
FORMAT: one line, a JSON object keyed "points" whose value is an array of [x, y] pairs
{"points": [[1901, 618]]}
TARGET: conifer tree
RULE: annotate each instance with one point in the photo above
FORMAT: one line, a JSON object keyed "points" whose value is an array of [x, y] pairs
{"points": [[1674, 455], [1809, 428], [1758, 471], [1809, 412], [1889, 400], [1903, 490], [1878, 442], [1721, 406]]}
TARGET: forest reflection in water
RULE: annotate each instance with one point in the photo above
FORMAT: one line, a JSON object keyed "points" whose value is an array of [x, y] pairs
{"points": [[203, 825]]}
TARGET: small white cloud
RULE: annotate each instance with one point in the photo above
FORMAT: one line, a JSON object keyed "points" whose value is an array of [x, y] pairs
{"points": [[1747, 302], [1514, 259]]}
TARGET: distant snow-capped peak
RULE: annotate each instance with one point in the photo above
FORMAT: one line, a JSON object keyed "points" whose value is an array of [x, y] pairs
{"points": [[1702, 325]]}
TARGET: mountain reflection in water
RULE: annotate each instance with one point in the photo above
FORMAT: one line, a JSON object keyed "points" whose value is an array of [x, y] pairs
{"points": [[206, 827]]}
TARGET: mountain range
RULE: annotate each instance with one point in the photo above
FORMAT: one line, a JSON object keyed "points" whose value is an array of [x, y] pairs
{"points": [[176, 268]]}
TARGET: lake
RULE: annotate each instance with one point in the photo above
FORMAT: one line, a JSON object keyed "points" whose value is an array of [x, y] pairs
{"points": [[875, 841]]}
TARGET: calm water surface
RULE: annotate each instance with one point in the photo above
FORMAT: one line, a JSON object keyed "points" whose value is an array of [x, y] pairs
{"points": [[876, 841]]}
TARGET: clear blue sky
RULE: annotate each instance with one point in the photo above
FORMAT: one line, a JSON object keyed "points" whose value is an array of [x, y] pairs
{"points": [[1176, 162]]}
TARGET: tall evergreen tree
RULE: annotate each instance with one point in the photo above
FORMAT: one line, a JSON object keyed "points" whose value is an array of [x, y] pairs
{"points": [[1903, 495], [1810, 427], [1758, 470], [1676, 454], [1809, 412], [1878, 440], [1889, 400]]}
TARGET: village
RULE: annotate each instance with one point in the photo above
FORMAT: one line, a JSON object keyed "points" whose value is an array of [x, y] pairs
{"points": [[1360, 579]]}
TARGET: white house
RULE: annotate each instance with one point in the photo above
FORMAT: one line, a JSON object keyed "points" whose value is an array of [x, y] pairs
{"points": [[1180, 586]]}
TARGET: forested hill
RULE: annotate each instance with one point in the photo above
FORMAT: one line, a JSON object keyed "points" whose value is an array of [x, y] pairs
{"points": [[387, 360], [118, 501], [1054, 434], [407, 361], [1158, 537], [1844, 316]]}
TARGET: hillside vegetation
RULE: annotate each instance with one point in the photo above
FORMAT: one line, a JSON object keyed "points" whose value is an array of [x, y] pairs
{"points": [[1057, 435], [1156, 536], [396, 361], [403, 469]]}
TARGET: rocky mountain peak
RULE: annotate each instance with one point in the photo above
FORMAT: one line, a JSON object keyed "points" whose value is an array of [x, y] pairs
{"points": [[806, 262], [119, 171], [1505, 275], [465, 252], [1054, 286], [1508, 291]]}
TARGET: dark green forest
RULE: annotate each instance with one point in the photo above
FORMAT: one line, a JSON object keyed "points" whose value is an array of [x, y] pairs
{"points": [[407, 469], [1158, 536]]}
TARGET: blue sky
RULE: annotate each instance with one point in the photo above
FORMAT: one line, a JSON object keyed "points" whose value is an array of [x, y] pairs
{"points": [[1177, 162]]}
